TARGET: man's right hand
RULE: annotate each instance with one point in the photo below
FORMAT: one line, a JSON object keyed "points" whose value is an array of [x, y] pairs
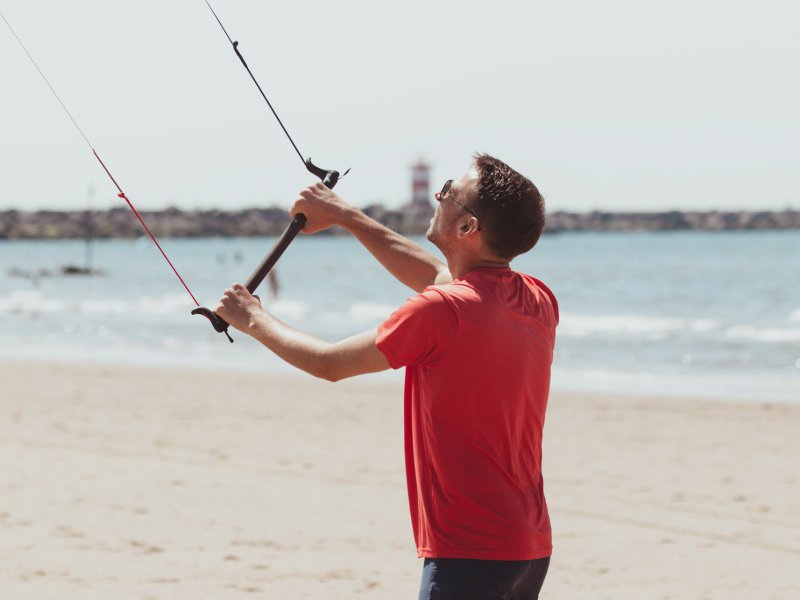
{"points": [[406, 260], [321, 207]]}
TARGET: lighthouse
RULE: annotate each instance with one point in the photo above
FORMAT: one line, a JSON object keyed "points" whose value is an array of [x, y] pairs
{"points": [[420, 185]]}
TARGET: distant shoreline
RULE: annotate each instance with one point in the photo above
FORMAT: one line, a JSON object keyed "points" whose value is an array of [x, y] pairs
{"points": [[179, 223]]}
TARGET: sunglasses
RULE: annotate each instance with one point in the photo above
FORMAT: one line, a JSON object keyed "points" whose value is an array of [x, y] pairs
{"points": [[441, 195]]}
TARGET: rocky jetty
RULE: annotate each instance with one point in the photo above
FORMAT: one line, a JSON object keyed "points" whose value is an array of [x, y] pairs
{"points": [[673, 221], [121, 223], [173, 222]]}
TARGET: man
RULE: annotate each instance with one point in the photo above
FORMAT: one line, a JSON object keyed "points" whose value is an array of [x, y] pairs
{"points": [[477, 343]]}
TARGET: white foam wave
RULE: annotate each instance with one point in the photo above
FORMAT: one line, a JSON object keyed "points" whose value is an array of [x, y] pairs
{"points": [[577, 325], [742, 384], [167, 303], [367, 312], [656, 328], [763, 334], [38, 302], [32, 302], [355, 314], [96, 305], [288, 309]]}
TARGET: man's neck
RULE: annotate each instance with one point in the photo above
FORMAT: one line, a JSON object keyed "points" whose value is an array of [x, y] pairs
{"points": [[460, 268]]}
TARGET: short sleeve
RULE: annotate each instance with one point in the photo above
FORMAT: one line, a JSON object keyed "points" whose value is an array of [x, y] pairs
{"points": [[421, 331]]}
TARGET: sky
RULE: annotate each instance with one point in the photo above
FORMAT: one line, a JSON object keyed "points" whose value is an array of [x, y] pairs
{"points": [[617, 105]]}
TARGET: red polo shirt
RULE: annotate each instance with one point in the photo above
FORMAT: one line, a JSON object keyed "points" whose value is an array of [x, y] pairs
{"points": [[478, 354]]}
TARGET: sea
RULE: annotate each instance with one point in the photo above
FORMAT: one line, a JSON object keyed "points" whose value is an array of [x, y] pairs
{"points": [[696, 314]]}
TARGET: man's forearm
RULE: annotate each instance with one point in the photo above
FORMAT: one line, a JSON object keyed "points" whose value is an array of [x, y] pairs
{"points": [[295, 347], [332, 361], [408, 262], [404, 259]]}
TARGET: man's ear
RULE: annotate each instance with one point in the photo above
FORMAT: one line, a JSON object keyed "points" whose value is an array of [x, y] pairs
{"points": [[468, 227]]}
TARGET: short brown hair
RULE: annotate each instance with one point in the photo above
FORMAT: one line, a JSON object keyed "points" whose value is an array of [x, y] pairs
{"points": [[510, 208]]}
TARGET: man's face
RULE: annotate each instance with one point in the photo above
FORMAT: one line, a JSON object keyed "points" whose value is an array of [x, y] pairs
{"points": [[450, 211]]}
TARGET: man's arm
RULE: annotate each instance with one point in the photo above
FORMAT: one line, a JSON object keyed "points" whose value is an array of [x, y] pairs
{"points": [[332, 361], [407, 261]]}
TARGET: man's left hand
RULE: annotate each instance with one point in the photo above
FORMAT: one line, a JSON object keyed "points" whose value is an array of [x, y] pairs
{"points": [[238, 306]]}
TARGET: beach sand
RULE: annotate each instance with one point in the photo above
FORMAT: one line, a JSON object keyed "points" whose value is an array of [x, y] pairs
{"points": [[120, 482]]}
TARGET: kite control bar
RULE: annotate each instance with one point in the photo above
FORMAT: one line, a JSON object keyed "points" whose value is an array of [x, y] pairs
{"points": [[329, 178]]}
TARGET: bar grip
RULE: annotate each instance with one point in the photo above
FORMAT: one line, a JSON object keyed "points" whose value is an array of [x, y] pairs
{"points": [[329, 179]]}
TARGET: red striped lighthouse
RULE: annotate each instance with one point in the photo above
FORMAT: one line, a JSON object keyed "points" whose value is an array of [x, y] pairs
{"points": [[420, 184]]}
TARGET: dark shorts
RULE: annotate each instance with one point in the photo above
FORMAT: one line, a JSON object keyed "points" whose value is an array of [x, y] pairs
{"points": [[469, 579]]}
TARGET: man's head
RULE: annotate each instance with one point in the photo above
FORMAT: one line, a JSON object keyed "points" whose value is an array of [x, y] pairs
{"points": [[491, 199], [510, 208]]}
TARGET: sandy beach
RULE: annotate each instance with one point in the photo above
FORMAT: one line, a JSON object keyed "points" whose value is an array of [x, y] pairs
{"points": [[120, 482]]}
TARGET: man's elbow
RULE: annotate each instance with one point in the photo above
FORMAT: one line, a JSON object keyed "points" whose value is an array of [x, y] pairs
{"points": [[335, 370], [329, 369], [329, 375], [351, 357], [334, 376]]}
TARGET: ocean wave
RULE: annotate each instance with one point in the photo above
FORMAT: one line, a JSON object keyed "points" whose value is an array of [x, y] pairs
{"points": [[38, 302], [33, 302], [369, 312], [725, 384], [356, 314], [288, 309], [658, 328], [166, 304], [320, 317], [763, 334], [578, 325]]}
